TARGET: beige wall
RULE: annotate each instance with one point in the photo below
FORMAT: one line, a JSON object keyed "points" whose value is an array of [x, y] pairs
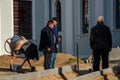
{"points": [[6, 22]]}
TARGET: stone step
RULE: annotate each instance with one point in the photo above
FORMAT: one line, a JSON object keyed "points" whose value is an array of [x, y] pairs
{"points": [[114, 71]]}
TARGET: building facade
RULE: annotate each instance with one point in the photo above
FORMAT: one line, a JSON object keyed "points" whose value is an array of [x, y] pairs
{"points": [[6, 22], [76, 18]]}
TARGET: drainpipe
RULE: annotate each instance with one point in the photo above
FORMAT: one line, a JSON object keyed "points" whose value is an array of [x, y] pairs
{"points": [[77, 57], [50, 9]]}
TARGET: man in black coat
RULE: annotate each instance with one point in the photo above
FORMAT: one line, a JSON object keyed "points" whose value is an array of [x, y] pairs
{"points": [[101, 44], [47, 43]]}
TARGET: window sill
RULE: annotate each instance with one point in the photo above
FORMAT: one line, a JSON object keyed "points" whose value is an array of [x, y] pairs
{"points": [[84, 35], [116, 30]]}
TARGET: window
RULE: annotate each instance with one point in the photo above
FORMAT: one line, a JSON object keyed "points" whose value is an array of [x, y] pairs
{"points": [[58, 14], [85, 16], [117, 14], [23, 18]]}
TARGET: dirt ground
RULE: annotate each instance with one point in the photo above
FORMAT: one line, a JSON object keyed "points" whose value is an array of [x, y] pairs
{"points": [[62, 60], [107, 77]]}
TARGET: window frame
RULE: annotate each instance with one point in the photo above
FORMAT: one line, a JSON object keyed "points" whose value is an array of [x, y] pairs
{"points": [[85, 19], [117, 13]]}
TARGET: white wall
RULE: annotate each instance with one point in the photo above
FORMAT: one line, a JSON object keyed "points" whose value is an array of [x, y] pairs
{"points": [[76, 24], [66, 24], [6, 17], [33, 21], [0, 27], [99, 8], [41, 16], [110, 13], [68, 27]]}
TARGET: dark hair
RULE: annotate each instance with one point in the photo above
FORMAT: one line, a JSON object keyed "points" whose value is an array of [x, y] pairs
{"points": [[55, 18], [49, 22]]}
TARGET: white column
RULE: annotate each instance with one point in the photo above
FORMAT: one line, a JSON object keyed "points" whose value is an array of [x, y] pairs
{"points": [[46, 10], [40, 17], [0, 27], [69, 26], [53, 8], [113, 12], [110, 13], [33, 21]]}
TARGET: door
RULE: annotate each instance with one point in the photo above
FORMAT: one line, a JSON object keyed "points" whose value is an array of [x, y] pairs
{"points": [[58, 15]]}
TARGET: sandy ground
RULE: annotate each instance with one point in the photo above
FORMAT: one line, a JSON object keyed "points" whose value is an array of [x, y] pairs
{"points": [[62, 60], [84, 69], [107, 77]]}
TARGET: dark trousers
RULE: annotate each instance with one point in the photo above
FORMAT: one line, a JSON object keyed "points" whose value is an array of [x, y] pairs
{"points": [[47, 59], [100, 54]]}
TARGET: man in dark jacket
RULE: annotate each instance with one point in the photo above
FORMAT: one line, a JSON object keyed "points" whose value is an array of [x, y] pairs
{"points": [[100, 43], [47, 43]]}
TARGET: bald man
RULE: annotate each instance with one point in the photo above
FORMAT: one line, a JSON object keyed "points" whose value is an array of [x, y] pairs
{"points": [[100, 43]]}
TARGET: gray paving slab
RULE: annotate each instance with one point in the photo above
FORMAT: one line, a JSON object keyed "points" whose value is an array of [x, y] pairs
{"points": [[93, 75], [40, 73], [115, 54]]}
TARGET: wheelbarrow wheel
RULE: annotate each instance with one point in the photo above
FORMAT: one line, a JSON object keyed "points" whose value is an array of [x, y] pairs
{"points": [[19, 69], [32, 69]]}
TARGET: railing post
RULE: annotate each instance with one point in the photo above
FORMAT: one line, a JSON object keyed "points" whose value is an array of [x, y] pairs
{"points": [[77, 56]]}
